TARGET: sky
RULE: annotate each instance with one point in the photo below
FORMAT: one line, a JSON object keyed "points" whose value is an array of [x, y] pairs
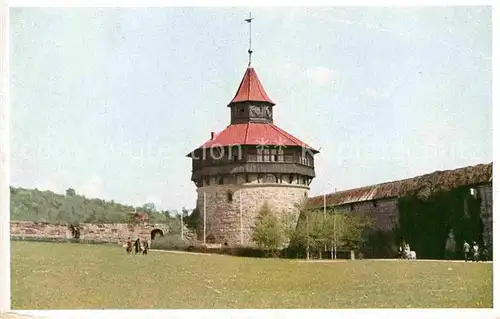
{"points": [[109, 101]]}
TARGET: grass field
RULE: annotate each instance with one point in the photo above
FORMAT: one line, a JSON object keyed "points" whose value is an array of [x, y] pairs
{"points": [[75, 276]]}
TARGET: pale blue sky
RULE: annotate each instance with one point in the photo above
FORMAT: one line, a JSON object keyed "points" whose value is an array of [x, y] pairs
{"points": [[109, 101]]}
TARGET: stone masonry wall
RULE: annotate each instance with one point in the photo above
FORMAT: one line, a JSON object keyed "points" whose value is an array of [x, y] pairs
{"points": [[384, 212], [223, 215], [112, 233], [39, 229]]}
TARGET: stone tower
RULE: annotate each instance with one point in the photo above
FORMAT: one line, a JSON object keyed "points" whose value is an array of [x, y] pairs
{"points": [[250, 162]]}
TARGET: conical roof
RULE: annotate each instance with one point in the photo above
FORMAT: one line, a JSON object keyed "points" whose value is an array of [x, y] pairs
{"points": [[250, 89]]}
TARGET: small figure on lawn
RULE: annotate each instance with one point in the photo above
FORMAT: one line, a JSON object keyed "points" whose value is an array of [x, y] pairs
{"points": [[129, 245], [475, 252], [137, 245], [146, 247], [485, 253], [466, 250]]}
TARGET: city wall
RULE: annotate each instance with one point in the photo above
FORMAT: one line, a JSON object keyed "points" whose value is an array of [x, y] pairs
{"points": [[110, 233]]}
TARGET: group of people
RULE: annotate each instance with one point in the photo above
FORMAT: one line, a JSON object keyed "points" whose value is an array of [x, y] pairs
{"points": [[137, 246], [405, 252], [474, 253]]}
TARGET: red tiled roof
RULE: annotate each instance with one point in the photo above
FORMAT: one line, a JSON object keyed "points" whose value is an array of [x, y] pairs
{"points": [[439, 180], [254, 134], [251, 89]]}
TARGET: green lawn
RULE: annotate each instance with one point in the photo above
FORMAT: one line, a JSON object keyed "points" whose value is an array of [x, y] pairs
{"points": [[72, 276]]}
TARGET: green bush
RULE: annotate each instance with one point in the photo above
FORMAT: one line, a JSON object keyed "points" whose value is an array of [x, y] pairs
{"points": [[169, 242], [231, 251]]}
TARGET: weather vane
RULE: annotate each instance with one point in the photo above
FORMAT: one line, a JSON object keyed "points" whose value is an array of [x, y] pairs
{"points": [[249, 20]]}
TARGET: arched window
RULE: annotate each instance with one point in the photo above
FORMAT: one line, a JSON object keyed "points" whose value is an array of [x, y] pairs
{"points": [[210, 239], [270, 178]]}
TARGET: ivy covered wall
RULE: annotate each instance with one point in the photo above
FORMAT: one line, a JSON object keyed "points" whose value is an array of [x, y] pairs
{"points": [[425, 222]]}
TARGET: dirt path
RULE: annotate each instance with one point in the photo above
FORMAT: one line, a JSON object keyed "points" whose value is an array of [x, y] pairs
{"points": [[183, 252], [321, 260]]}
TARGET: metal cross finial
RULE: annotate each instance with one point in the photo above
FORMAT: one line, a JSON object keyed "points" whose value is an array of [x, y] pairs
{"points": [[249, 20]]}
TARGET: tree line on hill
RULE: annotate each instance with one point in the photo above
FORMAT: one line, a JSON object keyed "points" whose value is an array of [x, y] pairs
{"points": [[35, 205]]}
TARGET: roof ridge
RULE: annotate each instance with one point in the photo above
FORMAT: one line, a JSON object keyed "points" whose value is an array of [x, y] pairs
{"points": [[277, 129], [291, 137], [246, 132], [395, 182]]}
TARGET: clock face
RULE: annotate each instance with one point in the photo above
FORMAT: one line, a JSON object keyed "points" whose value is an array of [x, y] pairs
{"points": [[255, 111], [267, 111], [260, 111]]}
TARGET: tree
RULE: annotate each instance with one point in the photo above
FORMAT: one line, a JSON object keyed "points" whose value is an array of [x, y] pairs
{"points": [[289, 224], [191, 220], [174, 226], [354, 230], [335, 227], [149, 208], [268, 230], [300, 238], [167, 214], [316, 230]]}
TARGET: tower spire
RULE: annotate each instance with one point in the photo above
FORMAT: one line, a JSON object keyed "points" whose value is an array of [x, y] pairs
{"points": [[249, 20]]}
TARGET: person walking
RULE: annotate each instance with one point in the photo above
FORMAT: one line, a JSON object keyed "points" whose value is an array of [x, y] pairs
{"points": [[475, 252], [137, 245], [466, 250], [146, 247], [129, 245], [485, 253]]}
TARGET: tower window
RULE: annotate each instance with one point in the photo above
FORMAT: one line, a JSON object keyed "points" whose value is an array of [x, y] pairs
{"points": [[266, 155], [229, 196], [259, 154], [221, 180], [270, 178]]}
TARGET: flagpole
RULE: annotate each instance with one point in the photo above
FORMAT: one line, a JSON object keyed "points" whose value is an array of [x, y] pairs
{"points": [[324, 209], [335, 229], [241, 219], [182, 228], [204, 218], [249, 20]]}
